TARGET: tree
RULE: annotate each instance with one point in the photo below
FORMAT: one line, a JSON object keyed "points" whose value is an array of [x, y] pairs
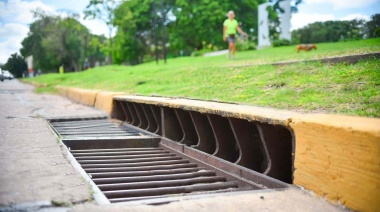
{"points": [[56, 40], [373, 26], [190, 25], [16, 65], [330, 31], [103, 10]]}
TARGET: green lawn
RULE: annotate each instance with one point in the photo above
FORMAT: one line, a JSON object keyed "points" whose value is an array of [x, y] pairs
{"points": [[352, 89]]}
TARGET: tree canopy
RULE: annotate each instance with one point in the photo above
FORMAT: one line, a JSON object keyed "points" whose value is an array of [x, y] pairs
{"points": [[331, 31], [16, 65], [59, 40]]}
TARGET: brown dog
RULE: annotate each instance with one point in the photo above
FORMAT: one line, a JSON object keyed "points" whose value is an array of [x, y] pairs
{"points": [[306, 47]]}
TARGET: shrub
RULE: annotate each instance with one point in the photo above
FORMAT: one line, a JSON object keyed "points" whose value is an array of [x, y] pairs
{"points": [[281, 42], [201, 52], [244, 44]]}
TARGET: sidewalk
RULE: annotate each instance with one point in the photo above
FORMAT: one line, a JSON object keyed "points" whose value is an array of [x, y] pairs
{"points": [[33, 166], [37, 176]]}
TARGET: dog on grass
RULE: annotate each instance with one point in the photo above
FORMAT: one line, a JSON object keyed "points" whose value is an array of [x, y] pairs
{"points": [[306, 47]]}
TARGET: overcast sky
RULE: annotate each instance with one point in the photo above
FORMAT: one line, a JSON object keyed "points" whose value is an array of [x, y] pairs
{"points": [[15, 16]]}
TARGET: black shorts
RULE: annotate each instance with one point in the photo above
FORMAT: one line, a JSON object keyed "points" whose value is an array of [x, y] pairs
{"points": [[231, 38]]}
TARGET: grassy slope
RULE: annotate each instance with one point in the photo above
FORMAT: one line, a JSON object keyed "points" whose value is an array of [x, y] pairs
{"points": [[341, 88]]}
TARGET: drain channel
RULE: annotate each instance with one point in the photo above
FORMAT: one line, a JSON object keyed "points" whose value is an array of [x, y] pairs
{"points": [[128, 164]]}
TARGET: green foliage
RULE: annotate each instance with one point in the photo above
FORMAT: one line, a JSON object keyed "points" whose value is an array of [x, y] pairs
{"points": [[244, 44], [57, 40], [189, 24], [135, 28], [340, 88], [373, 26], [103, 10], [201, 52], [330, 31], [281, 42], [16, 65]]}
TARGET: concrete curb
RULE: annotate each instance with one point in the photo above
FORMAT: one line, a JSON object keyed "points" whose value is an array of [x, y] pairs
{"points": [[103, 100], [337, 157]]}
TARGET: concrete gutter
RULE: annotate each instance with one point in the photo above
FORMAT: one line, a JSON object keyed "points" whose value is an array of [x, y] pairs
{"points": [[337, 157]]}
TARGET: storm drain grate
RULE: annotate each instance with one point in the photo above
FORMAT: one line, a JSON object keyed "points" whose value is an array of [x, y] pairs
{"points": [[128, 164], [91, 128], [138, 173]]}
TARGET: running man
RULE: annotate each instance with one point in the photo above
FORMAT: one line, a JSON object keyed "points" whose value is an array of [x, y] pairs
{"points": [[230, 26]]}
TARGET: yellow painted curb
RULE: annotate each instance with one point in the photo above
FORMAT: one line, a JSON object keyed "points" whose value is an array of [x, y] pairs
{"points": [[86, 97], [61, 90], [338, 157], [247, 112], [104, 100]]}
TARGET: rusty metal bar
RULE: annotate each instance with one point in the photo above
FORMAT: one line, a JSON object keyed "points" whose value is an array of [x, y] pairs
{"points": [[127, 112], [116, 150], [119, 153], [153, 163], [227, 148], [111, 125], [153, 178], [114, 157], [206, 140], [190, 135], [278, 142], [143, 173], [157, 116], [157, 184], [118, 111], [150, 159], [252, 151], [171, 126], [140, 113], [79, 123], [170, 190], [136, 121], [142, 168], [152, 123]]}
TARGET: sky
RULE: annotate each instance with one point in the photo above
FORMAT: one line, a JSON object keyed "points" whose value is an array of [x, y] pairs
{"points": [[15, 16]]}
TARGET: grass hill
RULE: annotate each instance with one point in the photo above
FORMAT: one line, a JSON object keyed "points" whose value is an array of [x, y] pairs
{"points": [[352, 89]]}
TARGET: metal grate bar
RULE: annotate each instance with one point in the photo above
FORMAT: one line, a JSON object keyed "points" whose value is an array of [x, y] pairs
{"points": [[141, 168], [157, 184], [154, 178], [143, 173], [170, 190]]}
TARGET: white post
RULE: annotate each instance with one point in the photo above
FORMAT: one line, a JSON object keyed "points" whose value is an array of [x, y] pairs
{"points": [[285, 20], [263, 34]]}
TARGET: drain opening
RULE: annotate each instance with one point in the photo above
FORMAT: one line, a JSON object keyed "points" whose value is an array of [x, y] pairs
{"points": [[128, 164], [264, 148]]}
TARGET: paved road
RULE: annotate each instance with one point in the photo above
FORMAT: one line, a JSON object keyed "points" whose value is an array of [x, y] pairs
{"points": [[34, 170]]}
